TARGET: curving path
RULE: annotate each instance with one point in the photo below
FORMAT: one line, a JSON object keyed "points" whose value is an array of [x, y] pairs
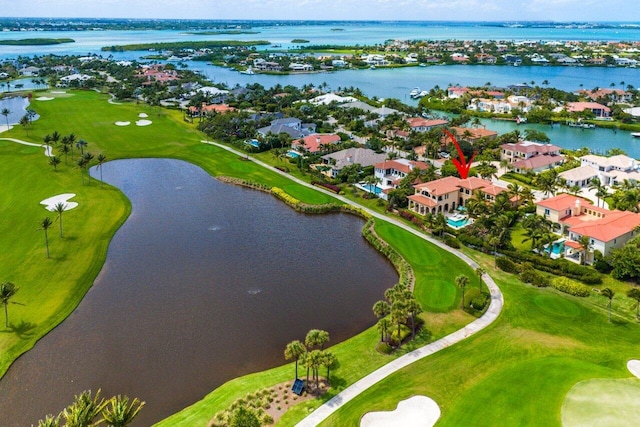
{"points": [[47, 148], [492, 313]]}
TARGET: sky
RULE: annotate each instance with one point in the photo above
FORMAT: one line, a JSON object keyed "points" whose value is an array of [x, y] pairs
{"points": [[414, 10]]}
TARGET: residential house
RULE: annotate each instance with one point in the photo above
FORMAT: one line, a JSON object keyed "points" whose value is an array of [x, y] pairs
{"points": [[474, 134], [531, 156], [389, 173], [29, 71], [205, 110], [580, 176], [74, 79], [577, 217], [419, 124], [613, 95], [456, 91], [290, 125], [600, 111], [314, 143], [448, 193], [335, 162], [612, 170]]}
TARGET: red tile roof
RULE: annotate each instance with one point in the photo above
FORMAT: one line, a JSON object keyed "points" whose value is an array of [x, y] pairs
{"points": [[401, 166], [313, 143], [218, 108], [581, 106], [441, 186], [537, 162], [528, 147], [416, 122], [422, 200], [612, 226], [563, 202]]}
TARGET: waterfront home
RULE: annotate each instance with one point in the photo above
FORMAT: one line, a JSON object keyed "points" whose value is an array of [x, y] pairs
{"points": [[580, 176], [600, 111], [29, 71], [359, 105], [531, 156], [456, 91], [389, 173], [295, 66], [335, 162], [472, 134], [328, 98], [314, 143], [501, 106], [157, 73], [612, 95], [74, 79], [420, 124], [448, 193], [612, 170], [577, 217]]}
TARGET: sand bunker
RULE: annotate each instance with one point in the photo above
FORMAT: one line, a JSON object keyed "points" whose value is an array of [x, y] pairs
{"points": [[417, 411], [51, 202], [143, 115], [634, 367], [44, 98], [58, 91], [143, 122], [123, 123]]}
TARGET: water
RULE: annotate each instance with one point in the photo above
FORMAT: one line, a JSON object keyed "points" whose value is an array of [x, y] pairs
{"points": [[372, 188], [458, 223], [205, 282], [17, 105]]}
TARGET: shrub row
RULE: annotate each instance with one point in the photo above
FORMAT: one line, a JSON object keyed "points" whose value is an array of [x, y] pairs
{"points": [[561, 267], [244, 183], [532, 277], [328, 186], [572, 287], [400, 264], [452, 242]]}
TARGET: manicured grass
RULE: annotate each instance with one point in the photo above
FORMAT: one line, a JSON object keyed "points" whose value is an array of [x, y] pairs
{"points": [[517, 371], [602, 403]]}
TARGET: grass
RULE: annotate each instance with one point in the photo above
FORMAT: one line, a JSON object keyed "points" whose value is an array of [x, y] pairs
{"points": [[516, 372], [602, 402]]}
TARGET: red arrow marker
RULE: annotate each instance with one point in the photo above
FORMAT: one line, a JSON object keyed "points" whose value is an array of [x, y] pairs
{"points": [[462, 165]]}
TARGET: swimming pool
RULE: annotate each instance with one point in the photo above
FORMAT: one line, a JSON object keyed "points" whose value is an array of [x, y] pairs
{"points": [[557, 248], [293, 154], [458, 222], [372, 188]]}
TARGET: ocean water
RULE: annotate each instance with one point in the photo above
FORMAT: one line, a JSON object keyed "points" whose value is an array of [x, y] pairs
{"points": [[389, 83]]}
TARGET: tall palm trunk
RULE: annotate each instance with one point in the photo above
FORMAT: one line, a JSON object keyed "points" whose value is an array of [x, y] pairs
{"points": [[46, 241]]}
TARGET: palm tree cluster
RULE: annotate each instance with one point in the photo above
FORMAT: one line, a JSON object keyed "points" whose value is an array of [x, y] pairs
{"points": [[626, 197], [538, 232], [88, 410], [313, 355], [400, 307]]}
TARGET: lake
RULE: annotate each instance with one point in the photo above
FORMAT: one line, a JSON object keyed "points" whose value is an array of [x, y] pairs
{"points": [[204, 282]]}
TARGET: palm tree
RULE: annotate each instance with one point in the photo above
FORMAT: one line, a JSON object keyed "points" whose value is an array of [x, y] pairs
{"points": [[462, 281], [584, 242], [54, 161], [294, 350], [82, 163], [55, 137], [596, 184], [634, 293], [608, 293], [101, 159], [50, 421], [381, 309], [120, 412], [87, 158], [59, 208], [5, 112], [82, 412], [383, 326], [45, 224], [81, 145], [7, 291], [65, 150], [480, 272], [329, 360], [316, 338]]}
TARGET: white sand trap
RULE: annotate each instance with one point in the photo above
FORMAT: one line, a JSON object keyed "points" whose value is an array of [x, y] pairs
{"points": [[58, 91], [123, 123], [143, 115], [143, 122], [4, 128], [44, 98], [51, 202], [417, 411], [634, 367]]}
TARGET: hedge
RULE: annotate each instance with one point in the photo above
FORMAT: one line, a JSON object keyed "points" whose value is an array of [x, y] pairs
{"points": [[452, 241], [400, 264], [572, 287], [561, 267], [505, 264]]}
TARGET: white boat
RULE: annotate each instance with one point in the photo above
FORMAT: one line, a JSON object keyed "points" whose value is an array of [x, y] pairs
{"points": [[635, 134], [415, 92], [248, 71]]}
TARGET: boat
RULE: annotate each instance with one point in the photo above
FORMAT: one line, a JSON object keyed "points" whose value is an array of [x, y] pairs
{"points": [[248, 71], [415, 92], [635, 134]]}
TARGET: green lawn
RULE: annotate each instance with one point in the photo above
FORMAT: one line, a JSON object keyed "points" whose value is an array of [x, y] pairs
{"points": [[516, 372], [519, 370]]}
